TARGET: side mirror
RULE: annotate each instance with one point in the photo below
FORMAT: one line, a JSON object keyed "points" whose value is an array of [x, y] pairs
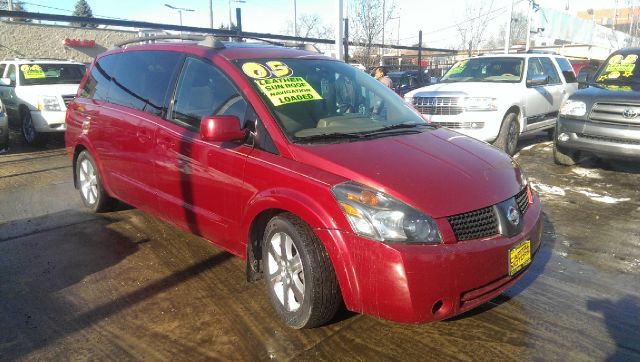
{"points": [[221, 129], [5, 81], [537, 81]]}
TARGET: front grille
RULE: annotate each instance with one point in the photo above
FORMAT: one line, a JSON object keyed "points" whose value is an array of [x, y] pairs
{"points": [[522, 199], [615, 113], [483, 222], [67, 98], [459, 125], [624, 141], [447, 106], [475, 224]]}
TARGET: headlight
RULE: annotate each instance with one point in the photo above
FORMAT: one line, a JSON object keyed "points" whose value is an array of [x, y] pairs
{"points": [[480, 104], [573, 108], [375, 215], [49, 104]]}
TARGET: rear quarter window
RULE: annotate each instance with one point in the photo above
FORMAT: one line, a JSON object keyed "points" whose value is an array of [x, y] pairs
{"points": [[99, 81]]}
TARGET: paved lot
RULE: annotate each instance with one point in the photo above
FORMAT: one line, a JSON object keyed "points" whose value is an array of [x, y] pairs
{"points": [[124, 285]]}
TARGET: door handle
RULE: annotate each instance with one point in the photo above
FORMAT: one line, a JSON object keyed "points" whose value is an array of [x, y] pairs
{"points": [[143, 135]]}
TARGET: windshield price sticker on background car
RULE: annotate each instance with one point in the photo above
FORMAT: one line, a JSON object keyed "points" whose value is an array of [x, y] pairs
{"points": [[275, 81], [32, 72], [619, 66], [459, 68]]}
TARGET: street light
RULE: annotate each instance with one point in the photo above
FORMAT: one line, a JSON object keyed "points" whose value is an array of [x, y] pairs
{"points": [[180, 10]]}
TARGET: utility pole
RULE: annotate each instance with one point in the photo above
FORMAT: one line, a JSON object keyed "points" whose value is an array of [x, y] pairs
{"points": [[211, 14], [528, 37], [507, 28], [339, 30], [295, 19], [382, 49]]}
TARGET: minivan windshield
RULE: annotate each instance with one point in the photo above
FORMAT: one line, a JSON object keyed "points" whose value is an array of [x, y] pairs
{"points": [[619, 69], [493, 69], [323, 100], [51, 73]]}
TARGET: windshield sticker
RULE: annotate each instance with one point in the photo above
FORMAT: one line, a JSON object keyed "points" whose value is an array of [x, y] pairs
{"points": [[32, 72], [619, 66], [287, 90], [269, 69], [458, 68]]}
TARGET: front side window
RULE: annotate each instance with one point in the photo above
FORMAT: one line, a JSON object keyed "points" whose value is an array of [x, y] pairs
{"points": [[51, 73], [550, 71], [204, 91], [327, 101], [494, 69], [535, 69]]}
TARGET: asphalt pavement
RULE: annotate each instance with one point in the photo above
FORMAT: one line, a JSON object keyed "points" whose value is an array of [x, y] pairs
{"points": [[126, 286]]}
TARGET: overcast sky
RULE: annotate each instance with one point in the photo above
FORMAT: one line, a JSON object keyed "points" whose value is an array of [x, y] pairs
{"points": [[436, 19]]}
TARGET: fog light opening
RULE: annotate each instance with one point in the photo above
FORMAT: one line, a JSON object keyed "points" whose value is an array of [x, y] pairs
{"points": [[563, 137], [436, 307]]}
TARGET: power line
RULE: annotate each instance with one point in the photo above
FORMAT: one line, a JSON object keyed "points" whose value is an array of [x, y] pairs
{"points": [[70, 11]]}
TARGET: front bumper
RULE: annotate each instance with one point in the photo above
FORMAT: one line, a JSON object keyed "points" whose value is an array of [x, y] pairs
{"points": [[45, 121], [464, 123], [421, 283], [605, 140]]}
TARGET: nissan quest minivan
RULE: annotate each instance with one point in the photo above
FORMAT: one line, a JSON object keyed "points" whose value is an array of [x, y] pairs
{"points": [[331, 187]]}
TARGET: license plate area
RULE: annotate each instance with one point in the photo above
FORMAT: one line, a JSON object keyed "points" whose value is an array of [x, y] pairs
{"points": [[519, 257]]}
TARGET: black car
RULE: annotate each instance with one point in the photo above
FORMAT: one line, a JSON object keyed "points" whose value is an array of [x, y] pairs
{"points": [[408, 80], [603, 117]]}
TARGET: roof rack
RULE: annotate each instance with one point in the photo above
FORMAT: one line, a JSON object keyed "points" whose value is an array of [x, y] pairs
{"points": [[203, 40]]}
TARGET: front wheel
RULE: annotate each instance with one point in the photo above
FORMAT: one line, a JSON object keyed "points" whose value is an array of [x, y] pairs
{"points": [[93, 195], [299, 276], [29, 132], [509, 134]]}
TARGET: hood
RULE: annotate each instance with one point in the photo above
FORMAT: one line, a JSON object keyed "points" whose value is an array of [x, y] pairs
{"points": [[439, 172], [46, 90], [624, 93], [479, 89]]}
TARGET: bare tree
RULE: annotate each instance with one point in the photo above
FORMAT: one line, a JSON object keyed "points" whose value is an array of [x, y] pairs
{"points": [[365, 27], [475, 22], [310, 26]]}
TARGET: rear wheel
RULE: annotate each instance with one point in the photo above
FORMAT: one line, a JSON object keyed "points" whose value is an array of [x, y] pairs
{"points": [[509, 134], [31, 136], [92, 192], [299, 276]]}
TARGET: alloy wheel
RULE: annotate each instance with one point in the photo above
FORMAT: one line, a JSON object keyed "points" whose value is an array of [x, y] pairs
{"points": [[286, 273]]}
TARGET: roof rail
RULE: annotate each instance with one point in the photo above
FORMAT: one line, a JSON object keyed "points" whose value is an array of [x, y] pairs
{"points": [[203, 40]]}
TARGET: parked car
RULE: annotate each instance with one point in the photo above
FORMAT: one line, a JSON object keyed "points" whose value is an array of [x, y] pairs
{"points": [[329, 186], [407, 80], [4, 129], [36, 92], [603, 118], [498, 98]]}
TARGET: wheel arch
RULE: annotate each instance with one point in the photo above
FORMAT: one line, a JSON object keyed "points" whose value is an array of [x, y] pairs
{"points": [[515, 109], [266, 205]]}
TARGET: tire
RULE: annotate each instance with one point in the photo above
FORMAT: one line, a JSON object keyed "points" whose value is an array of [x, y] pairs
{"points": [[92, 193], [561, 157], [509, 135], [31, 136], [4, 140], [299, 276]]}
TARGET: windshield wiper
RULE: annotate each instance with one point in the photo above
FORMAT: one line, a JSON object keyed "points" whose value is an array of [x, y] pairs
{"points": [[328, 136], [397, 127]]}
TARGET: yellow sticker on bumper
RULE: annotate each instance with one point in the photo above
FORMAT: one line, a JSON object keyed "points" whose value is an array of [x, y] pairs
{"points": [[287, 90]]}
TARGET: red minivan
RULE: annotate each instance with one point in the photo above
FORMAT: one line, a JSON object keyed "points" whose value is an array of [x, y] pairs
{"points": [[328, 184]]}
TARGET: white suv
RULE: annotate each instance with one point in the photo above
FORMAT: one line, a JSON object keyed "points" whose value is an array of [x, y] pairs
{"points": [[36, 91], [497, 98]]}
